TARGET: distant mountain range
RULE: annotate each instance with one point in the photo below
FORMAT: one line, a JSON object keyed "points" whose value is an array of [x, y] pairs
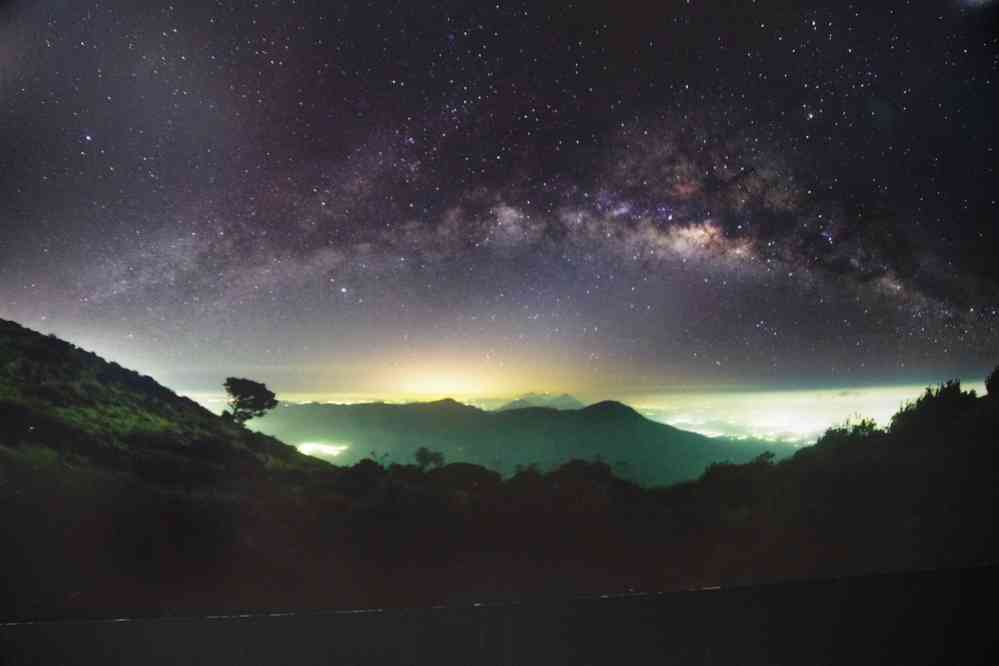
{"points": [[564, 401], [636, 448]]}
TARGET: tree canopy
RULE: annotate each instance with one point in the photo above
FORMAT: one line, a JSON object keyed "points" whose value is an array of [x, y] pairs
{"points": [[248, 399]]}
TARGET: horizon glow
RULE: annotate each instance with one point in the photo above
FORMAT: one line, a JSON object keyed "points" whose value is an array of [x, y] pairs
{"points": [[789, 416]]}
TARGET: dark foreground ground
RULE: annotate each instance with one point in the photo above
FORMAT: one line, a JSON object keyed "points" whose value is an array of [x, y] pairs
{"points": [[938, 617]]}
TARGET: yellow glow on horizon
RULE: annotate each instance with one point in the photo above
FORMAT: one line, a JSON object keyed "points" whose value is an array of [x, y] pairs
{"points": [[442, 384], [471, 378]]}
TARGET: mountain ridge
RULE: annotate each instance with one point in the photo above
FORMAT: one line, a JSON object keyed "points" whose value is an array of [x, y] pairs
{"points": [[642, 450]]}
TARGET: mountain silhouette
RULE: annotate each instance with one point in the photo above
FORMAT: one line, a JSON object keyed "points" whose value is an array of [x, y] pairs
{"points": [[611, 410], [638, 449], [564, 401]]}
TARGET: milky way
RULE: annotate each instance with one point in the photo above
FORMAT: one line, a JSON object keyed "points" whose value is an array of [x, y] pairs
{"points": [[538, 195]]}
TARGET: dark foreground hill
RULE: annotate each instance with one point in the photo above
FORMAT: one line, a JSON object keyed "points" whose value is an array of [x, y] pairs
{"points": [[110, 507], [636, 448]]}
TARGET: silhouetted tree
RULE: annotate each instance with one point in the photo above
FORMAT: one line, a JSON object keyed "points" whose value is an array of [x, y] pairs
{"points": [[425, 458], [248, 399], [992, 384]]}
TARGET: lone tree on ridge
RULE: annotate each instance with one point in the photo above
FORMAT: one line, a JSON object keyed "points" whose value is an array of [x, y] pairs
{"points": [[247, 399]]}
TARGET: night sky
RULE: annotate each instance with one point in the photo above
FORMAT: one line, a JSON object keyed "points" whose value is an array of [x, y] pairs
{"points": [[484, 198]]}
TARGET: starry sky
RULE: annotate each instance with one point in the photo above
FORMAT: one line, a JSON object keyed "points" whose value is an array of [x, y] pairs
{"points": [[484, 198]]}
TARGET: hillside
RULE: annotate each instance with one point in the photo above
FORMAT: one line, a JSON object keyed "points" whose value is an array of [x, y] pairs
{"points": [[56, 395], [636, 448]]}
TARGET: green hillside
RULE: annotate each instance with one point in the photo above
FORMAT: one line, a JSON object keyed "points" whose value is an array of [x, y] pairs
{"points": [[56, 395]]}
